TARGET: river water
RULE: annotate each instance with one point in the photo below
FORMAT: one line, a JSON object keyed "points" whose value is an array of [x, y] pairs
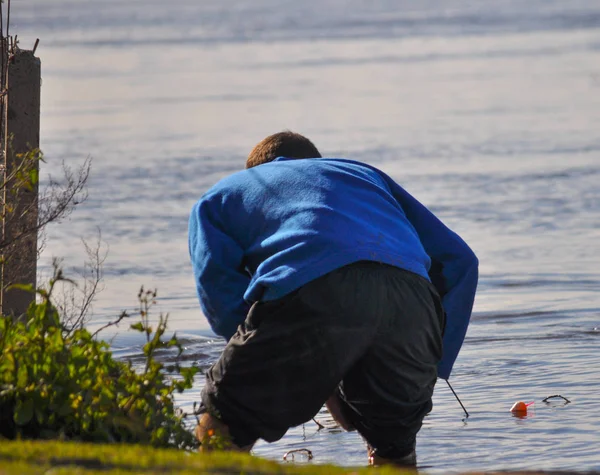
{"points": [[488, 112]]}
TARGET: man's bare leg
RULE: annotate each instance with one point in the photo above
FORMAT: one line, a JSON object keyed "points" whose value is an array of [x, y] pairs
{"points": [[335, 409], [334, 406], [214, 435]]}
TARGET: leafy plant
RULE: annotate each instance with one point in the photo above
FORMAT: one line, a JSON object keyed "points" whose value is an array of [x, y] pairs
{"points": [[56, 382]]}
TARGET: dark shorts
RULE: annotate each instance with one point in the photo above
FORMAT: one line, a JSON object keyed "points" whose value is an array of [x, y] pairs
{"points": [[369, 331]]}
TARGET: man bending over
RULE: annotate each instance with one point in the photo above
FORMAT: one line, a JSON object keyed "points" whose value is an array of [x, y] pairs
{"points": [[331, 285]]}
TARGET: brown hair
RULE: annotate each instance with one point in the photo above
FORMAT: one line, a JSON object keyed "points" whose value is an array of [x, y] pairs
{"points": [[282, 144]]}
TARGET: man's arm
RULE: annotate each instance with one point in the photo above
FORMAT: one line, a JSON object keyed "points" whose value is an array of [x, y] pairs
{"points": [[454, 272], [217, 260]]}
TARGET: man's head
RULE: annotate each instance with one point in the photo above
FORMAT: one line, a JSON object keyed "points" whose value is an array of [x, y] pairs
{"points": [[282, 144]]}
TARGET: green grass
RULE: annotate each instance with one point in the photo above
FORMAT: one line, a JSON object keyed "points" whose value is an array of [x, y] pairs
{"points": [[27, 457]]}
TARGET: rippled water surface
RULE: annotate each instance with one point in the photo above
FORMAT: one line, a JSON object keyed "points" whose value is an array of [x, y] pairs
{"points": [[488, 112]]}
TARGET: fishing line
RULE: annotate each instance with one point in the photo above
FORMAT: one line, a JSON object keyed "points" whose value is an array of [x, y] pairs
{"points": [[458, 399]]}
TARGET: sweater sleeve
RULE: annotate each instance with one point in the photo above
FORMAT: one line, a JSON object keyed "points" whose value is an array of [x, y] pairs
{"points": [[217, 261], [454, 272]]}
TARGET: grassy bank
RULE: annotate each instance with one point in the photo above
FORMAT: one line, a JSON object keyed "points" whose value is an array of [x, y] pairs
{"points": [[27, 457]]}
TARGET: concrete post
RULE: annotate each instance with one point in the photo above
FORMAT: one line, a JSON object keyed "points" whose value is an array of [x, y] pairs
{"points": [[21, 134]]}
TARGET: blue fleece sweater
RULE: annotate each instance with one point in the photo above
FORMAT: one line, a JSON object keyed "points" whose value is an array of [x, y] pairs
{"points": [[263, 232]]}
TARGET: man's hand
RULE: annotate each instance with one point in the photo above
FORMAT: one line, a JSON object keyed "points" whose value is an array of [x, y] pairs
{"points": [[214, 435]]}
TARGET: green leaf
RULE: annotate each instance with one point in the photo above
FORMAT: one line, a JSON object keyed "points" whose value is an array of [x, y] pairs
{"points": [[22, 376], [33, 176], [189, 373], [25, 287], [40, 415], [23, 412], [64, 409], [139, 326]]}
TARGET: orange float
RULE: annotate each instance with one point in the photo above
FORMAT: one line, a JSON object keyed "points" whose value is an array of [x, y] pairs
{"points": [[520, 408]]}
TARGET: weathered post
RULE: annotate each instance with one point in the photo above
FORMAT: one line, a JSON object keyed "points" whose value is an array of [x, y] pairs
{"points": [[20, 135]]}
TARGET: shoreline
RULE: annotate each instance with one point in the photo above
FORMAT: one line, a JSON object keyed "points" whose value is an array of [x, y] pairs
{"points": [[34, 457]]}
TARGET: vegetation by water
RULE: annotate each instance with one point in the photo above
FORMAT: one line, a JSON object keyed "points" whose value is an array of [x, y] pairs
{"points": [[61, 382]]}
